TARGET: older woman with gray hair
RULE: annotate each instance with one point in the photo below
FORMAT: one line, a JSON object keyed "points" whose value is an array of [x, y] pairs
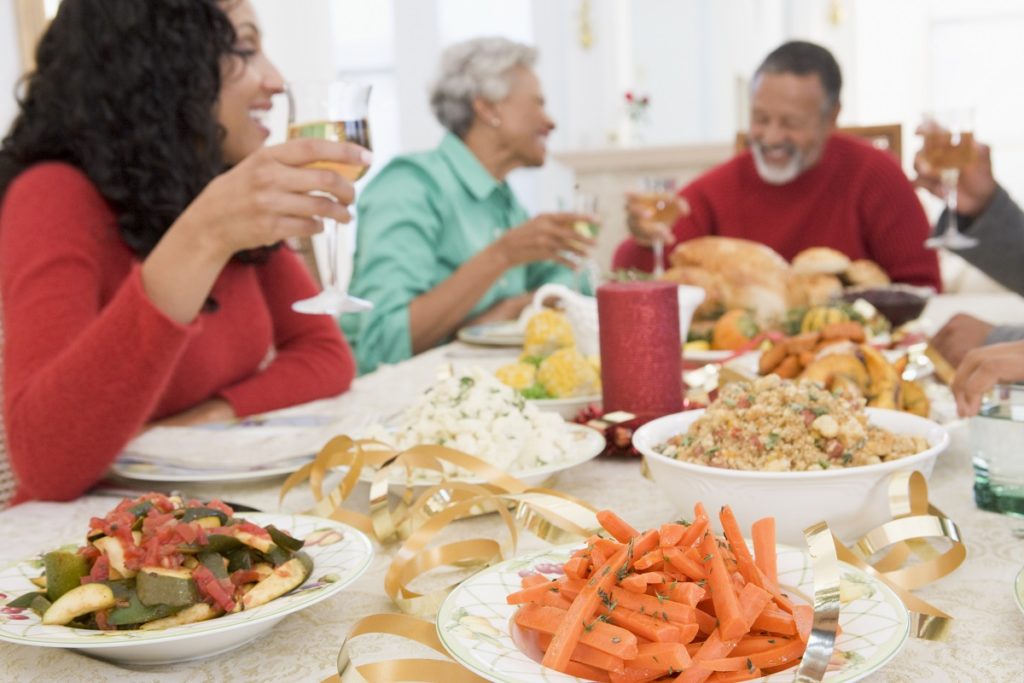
{"points": [[443, 242]]}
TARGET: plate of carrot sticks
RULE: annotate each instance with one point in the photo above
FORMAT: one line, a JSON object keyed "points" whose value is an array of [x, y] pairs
{"points": [[675, 603]]}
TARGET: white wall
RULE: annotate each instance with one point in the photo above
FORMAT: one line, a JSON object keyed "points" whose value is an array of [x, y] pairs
{"points": [[10, 64]]}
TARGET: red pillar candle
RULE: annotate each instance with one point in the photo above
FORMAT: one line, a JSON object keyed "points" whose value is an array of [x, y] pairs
{"points": [[641, 355]]}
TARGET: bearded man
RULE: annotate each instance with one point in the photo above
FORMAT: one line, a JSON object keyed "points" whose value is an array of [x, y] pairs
{"points": [[801, 183]]}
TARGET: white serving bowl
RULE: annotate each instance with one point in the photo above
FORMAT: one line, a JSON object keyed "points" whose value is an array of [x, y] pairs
{"points": [[852, 500]]}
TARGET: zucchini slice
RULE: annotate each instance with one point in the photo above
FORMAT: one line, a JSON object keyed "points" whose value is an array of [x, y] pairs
{"points": [[190, 615], [285, 578], [85, 599]]}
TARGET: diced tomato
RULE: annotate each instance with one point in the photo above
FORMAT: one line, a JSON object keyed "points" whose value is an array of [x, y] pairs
{"points": [[100, 571], [216, 504], [216, 592], [253, 529], [243, 576], [101, 620], [89, 552]]}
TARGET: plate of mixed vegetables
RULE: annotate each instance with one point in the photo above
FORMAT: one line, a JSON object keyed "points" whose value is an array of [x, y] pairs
{"points": [[160, 579]]}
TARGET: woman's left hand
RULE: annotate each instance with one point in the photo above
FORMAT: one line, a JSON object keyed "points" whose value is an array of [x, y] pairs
{"points": [[982, 369]]}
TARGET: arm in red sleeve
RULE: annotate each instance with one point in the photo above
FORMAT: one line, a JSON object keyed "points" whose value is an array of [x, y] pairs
{"points": [[896, 226], [312, 358], [80, 378]]}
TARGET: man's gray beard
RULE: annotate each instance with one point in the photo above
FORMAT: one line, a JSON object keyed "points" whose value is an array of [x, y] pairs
{"points": [[774, 175]]}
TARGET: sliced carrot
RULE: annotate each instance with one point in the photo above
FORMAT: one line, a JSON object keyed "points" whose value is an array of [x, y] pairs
{"points": [[686, 592], [735, 676], [712, 648], [687, 632], [763, 533], [590, 673], [685, 565], [751, 644], [694, 532], [620, 530], [650, 627], [533, 580], [663, 656], [803, 615], [723, 595], [753, 599], [586, 603], [608, 638], [785, 653], [651, 560], [578, 567], [775, 620], [584, 654], [533, 593], [671, 534], [633, 675], [647, 604], [634, 583]]}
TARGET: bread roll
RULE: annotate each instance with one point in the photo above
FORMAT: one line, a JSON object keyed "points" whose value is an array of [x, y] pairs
{"points": [[820, 260], [865, 273], [813, 289], [739, 274]]}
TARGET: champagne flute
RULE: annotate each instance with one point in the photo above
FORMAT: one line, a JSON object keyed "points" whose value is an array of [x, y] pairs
{"points": [[948, 147], [658, 195], [332, 110], [584, 203]]}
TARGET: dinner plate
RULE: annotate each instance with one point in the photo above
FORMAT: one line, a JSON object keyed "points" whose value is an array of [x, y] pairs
{"points": [[145, 471], [473, 622], [340, 556], [709, 356], [568, 408], [500, 333], [590, 444], [1018, 589]]}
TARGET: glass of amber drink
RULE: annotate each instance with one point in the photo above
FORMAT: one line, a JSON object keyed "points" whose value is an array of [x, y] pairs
{"points": [[948, 147], [332, 110]]}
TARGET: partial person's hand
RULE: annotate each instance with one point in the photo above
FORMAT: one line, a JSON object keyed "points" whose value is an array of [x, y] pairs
{"points": [[266, 198], [982, 369], [644, 223], [976, 186], [960, 335], [546, 237]]}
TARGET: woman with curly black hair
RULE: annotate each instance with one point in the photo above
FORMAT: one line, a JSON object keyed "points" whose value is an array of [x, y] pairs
{"points": [[139, 219]]}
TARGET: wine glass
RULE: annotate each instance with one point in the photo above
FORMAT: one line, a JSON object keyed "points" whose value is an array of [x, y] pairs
{"points": [[948, 147], [584, 203], [659, 196], [332, 110]]}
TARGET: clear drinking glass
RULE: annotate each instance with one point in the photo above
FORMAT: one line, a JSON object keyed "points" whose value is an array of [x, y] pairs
{"points": [[659, 196], [948, 147], [332, 110], [587, 204], [997, 450]]}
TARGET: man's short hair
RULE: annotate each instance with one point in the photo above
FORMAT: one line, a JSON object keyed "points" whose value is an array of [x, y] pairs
{"points": [[801, 58]]}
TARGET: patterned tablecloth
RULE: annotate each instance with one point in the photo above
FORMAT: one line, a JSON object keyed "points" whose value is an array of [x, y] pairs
{"points": [[987, 643]]}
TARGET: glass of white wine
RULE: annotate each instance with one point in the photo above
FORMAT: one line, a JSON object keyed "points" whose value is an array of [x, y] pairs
{"points": [[658, 195], [332, 110], [948, 147]]}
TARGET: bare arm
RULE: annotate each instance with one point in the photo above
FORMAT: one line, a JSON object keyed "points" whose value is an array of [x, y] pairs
{"points": [[436, 314]]}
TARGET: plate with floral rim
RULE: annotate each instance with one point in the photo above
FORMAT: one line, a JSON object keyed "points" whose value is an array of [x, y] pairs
{"points": [[340, 553], [473, 622]]}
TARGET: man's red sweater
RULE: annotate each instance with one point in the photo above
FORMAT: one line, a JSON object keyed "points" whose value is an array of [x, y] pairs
{"points": [[856, 199], [89, 360]]}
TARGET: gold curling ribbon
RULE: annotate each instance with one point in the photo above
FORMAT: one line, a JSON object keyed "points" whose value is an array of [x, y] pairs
{"points": [[395, 670], [914, 520], [822, 641], [550, 515]]}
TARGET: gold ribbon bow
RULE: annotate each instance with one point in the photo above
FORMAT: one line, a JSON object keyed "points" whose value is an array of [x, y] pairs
{"points": [[551, 515]]}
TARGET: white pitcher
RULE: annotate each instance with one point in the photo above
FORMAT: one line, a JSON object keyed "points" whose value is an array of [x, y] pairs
{"points": [[581, 311]]}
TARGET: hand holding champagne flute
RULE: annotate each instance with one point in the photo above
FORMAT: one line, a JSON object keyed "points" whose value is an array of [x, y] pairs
{"points": [[949, 147], [651, 215], [334, 110]]}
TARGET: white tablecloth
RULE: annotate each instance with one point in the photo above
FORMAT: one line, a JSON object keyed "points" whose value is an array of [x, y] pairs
{"points": [[987, 642]]}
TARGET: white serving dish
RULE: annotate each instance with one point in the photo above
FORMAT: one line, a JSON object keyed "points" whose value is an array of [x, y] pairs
{"points": [[852, 500]]}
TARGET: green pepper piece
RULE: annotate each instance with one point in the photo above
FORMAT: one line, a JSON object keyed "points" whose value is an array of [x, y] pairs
{"points": [[133, 611], [40, 604], [64, 571], [241, 558], [222, 543], [192, 514], [215, 563], [284, 540], [25, 601]]}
